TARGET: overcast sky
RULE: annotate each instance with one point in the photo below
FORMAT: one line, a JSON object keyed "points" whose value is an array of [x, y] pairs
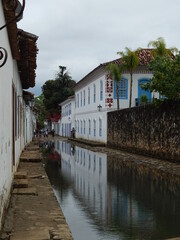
{"points": [[81, 34]]}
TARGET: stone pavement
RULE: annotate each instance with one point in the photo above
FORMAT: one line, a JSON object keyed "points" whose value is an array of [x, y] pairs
{"points": [[34, 213]]}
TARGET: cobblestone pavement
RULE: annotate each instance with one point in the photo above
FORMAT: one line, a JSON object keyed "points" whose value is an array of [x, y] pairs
{"points": [[34, 213]]}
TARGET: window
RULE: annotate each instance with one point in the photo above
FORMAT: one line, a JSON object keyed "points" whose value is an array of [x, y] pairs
{"points": [[94, 128], [84, 127], [81, 99], [81, 126], [78, 100], [101, 90], [89, 127], [88, 95], [100, 127], [70, 109], [62, 129], [94, 87], [89, 161], [123, 89], [94, 163], [78, 125], [84, 97], [100, 165]]}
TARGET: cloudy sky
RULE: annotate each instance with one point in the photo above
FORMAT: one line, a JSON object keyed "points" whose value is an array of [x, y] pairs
{"points": [[81, 34]]}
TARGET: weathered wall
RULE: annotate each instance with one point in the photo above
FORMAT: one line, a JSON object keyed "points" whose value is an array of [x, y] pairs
{"points": [[148, 130], [9, 157]]}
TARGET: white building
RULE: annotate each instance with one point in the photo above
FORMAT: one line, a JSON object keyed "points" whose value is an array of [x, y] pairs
{"points": [[95, 95], [67, 117], [16, 119]]}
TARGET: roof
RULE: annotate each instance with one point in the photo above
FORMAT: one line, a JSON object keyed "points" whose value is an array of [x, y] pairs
{"points": [[9, 14], [27, 63], [27, 96], [67, 100], [144, 57]]}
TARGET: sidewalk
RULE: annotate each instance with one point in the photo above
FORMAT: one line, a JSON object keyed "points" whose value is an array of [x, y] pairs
{"points": [[34, 213]]}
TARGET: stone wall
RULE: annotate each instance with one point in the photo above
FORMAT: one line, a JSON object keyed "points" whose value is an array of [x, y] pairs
{"points": [[148, 130]]}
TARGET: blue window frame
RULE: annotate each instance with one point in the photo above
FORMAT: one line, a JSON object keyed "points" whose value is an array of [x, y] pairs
{"points": [[100, 127], [94, 87], [89, 161], [84, 127], [123, 89], [81, 126], [101, 90], [84, 97], [88, 95], [78, 100], [89, 127], [94, 127], [94, 163], [81, 99]]}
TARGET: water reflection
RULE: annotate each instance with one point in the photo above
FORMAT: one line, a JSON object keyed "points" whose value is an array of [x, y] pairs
{"points": [[103, 199]]}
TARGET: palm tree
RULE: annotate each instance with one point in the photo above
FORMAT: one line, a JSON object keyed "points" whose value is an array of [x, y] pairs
{"points": [[130, 61], [159, 48], [116, 75]]}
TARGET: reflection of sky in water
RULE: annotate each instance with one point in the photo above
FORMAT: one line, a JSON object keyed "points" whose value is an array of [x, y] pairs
{"points": [[101, 203]]}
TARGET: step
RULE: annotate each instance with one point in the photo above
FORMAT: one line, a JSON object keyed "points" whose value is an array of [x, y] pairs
{"points": [[20, 183], [20, 175], [39, 234], [30, 159], [32, 148], [25, 191]]}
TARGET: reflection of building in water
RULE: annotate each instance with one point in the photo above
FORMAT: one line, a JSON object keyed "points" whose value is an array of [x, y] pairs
{"points": [[87, 170]]}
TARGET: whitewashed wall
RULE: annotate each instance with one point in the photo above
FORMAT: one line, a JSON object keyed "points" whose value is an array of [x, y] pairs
{"points": [[9, 77], [6, 78], [86, 110], [67, 111]]}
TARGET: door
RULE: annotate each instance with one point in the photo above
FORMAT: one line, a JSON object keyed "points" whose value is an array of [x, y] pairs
{"points": [[142, 91]]}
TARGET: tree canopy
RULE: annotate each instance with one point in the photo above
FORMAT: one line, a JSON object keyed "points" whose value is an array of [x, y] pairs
{"points": [[166, 76], [160, 49], [165, 67], [57, 90]]}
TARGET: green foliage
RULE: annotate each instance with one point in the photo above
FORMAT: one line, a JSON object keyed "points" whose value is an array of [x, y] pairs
{"points": [[160, 48], [166, 76], [58, 90], [130, 61], [39, 106], [144, 99]]}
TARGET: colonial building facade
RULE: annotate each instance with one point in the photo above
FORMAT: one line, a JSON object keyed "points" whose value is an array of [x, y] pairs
{"points": [[68, 114], [95, 95], [17, 72]]}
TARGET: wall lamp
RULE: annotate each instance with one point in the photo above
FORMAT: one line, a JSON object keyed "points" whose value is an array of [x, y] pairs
{"points": [[99, 107], [16, 6], [13, 5]]}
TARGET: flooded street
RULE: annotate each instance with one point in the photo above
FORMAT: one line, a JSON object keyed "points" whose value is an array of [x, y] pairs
{"points": [[104, 200]]}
